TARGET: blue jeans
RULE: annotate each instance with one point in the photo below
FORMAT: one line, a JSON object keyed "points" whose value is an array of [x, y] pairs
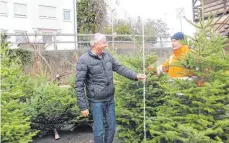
{"points": [[104, 121]]}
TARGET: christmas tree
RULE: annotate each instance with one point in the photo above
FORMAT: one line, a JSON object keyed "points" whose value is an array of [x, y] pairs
{"points": [[129, 99], [15, 126], [197, 110], [179, 111]]}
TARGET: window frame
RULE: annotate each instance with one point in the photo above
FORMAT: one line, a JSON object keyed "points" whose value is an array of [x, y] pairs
{"points": [[6, 13], [67, 10], [47, 17], [21, 15]]}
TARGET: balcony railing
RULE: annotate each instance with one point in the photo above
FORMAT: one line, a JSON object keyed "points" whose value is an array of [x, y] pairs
{"points": [[217, 7]]}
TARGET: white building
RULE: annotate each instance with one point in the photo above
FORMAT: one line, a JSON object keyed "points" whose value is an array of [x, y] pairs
{"points": [[38, 16]]}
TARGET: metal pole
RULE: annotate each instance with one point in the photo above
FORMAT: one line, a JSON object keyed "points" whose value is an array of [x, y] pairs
{"points": [[144, 86], [54, 42], [193, 10], [165, 18], [75, 23], [112, 29], [113, 9], [1, 34], [179, 15]]}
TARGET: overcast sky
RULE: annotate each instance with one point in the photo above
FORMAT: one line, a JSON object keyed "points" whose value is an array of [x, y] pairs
{"points": [[159, 9]]}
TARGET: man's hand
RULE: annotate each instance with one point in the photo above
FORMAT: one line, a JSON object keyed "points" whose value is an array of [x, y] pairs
{"points": [[85, 113], [141, 77]]}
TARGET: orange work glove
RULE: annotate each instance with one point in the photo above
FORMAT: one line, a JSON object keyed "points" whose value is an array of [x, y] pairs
{"points": [[153, 69]]}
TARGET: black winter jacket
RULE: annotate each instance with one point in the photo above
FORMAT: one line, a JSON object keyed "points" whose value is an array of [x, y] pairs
{"points": [[96, 75]]}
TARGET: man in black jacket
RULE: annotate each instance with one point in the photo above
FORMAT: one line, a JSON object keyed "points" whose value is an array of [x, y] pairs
{"points": [[95, 73]]}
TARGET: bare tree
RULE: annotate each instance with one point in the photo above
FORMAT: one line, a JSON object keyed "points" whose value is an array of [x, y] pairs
{"points": [[38, 45]]}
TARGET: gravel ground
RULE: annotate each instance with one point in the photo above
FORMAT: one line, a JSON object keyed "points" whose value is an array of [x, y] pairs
{"points": [[80, 135]]}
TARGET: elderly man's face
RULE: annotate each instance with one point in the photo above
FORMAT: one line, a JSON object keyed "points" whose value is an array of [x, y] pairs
{"points": [[99, 47], [176, 44]]}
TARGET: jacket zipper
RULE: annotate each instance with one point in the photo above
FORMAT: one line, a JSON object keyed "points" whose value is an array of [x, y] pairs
{"points": [[105, 71]]}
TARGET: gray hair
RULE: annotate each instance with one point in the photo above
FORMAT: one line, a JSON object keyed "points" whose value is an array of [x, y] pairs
{"points": [[97, 38]]}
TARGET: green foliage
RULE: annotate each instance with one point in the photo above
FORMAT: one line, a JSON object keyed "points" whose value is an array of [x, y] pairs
{"points": [[91, 16], [153, 29], [25, 56], [79, 120], [15, 125], [197, 112], [129, 100], [30, 103], [156, 28], [180, 111], [193, 114], [130, 107], [122, 27], [51, 106]]}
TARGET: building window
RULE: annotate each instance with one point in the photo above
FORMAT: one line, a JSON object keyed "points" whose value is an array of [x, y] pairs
{"points": [[47, 37], [47, 12], [3, 8], [20, 10], [21, 37], [66, 14]]}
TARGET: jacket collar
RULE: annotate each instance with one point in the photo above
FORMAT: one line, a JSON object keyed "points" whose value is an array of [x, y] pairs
{"points": [[181, 50], [94, 55]]}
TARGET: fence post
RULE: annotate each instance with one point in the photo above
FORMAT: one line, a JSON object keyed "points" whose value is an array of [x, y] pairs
{"points": [[54, 42]]}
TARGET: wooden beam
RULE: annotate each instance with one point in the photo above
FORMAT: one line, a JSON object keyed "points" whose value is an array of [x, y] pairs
{"points": [[224, 22], [220, 7], [206, 7], [193, 9], [213, 1], [206, 16]]}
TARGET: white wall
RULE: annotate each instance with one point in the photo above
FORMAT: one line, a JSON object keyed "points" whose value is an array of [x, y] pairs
{"points": [[33, 22]]}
